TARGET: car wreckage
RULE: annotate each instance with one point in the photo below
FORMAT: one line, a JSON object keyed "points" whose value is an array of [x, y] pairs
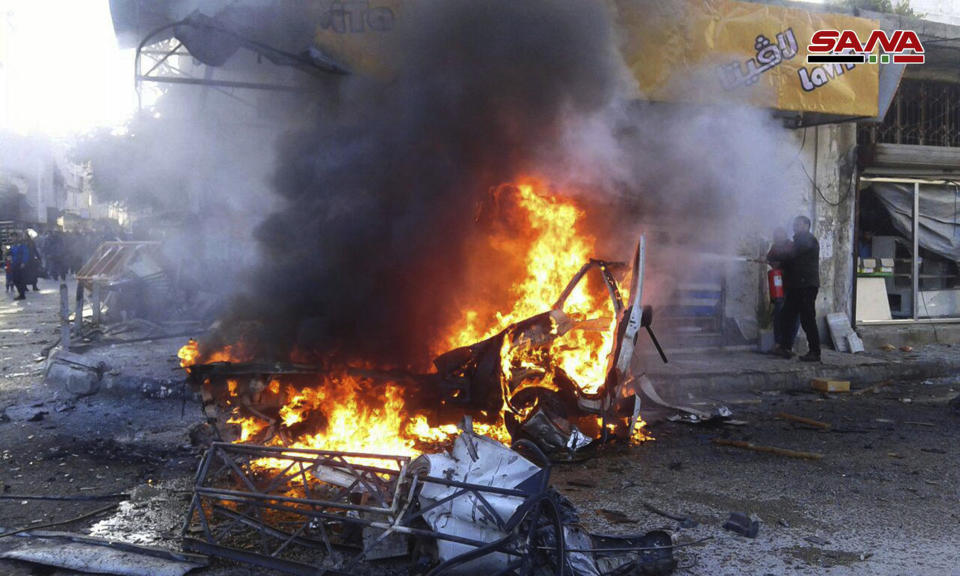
{"points": [[470, 505], [509, 374]]}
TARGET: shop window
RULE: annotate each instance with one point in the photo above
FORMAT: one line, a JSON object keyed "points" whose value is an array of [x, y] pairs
{"points": [[885, 254], [908, 251], [939, 227]]}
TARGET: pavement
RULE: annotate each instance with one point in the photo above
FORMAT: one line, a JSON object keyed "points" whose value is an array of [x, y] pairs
{"points": [[704, 373]]}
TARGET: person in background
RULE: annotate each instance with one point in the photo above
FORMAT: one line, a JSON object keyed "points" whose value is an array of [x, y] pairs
{"points": [[801, 283], [56, 256], [780, 249], [34, 264], [19, 260], [865, 244], [7, 269]]}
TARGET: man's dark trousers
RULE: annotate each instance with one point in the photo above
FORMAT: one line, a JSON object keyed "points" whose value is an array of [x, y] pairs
{"points": [[801, 302]]}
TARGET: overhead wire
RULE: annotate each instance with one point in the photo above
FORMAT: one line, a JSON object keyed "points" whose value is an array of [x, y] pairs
{"points": [[842, 198]]}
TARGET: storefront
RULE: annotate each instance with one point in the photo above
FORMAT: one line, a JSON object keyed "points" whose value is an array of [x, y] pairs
{"points": [[908, 247], [908, 209]]}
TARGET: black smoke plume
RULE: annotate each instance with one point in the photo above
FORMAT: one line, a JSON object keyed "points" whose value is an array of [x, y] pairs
{"points": [[367, 256]]}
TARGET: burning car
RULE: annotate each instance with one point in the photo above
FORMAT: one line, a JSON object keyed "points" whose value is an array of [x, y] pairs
{"points": [[358, 443], [561, 377]]}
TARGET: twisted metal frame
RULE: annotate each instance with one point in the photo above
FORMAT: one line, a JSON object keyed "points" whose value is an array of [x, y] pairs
{"points": [[340, 492]]}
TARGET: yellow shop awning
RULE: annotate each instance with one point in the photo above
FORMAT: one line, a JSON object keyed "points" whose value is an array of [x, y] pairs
{"points": [[698, 51], [708, 51]]}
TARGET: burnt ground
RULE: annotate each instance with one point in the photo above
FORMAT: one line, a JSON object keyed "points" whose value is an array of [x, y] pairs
{"points": [[884, 499]]}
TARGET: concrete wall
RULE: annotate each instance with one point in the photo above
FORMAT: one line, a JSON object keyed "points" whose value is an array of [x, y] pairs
{"points": [[834, 209]]}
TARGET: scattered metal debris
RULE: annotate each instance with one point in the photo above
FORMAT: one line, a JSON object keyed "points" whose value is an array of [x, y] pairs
{"points": [[479, 508], [685, 521], [684, 413], [99, 556], [742, 524], [32, 528], [816, 540], [73, 498]]}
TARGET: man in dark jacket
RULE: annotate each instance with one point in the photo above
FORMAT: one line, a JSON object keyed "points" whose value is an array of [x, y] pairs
{"points": [[32, 271], [55, 254], [801, 283]]}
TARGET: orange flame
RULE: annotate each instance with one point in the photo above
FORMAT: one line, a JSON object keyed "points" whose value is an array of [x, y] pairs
{"points": [[557, 252], [349, 413], [189, 353]]}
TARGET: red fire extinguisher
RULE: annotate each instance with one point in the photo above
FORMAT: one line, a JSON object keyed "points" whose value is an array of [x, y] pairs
{"points": [[775, 283]]}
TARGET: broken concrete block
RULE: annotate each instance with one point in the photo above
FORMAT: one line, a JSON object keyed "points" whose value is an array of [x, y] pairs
{"points": [[839, 325], [824, 385], [72, 372], [854, 343]]}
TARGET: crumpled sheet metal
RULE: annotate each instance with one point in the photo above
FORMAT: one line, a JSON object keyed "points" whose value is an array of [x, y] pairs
{"points": [[642, 386], [92, 558], [581, 563], [551, 436], [494, 465]]}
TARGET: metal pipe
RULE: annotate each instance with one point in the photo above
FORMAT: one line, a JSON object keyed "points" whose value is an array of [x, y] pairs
{"points": [[78, 318], [64, 317], [916, 247], [224, 84], [96, 302], [238, 496]]}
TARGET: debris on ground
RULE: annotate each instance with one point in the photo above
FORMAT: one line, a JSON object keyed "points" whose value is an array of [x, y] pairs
{"points": [[767, 449], [479, 508], [685, 521], [78, 375], [21, 413], [98, 556], [826, 385], [805, 421], [842, 334], [684, 414], [742, 524]]}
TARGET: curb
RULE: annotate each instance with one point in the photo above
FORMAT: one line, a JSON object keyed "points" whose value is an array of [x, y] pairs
{"points": [[704, 384]]}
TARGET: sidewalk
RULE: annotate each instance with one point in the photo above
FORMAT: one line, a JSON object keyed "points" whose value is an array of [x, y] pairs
{"points": [[707, 372]]}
